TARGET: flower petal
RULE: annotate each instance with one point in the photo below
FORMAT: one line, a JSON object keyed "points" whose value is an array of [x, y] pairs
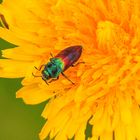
{"points": [[13, 68], [32, 94]]}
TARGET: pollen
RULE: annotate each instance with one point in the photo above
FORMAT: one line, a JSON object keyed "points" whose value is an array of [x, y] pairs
{"points": [[106, 93]]}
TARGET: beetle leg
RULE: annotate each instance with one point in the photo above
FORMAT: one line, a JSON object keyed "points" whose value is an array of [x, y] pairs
{"points": [[54, 79], [45, 81], [42, 78], [67, 78], [74, 65]]}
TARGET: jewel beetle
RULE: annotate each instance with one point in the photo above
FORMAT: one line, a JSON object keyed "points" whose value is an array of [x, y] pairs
{"points": [[60, 63]]}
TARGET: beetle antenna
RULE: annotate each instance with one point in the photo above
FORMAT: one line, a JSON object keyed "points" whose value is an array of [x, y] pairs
{"points": [[36, 68], [74, 65], [39, 67], [45, 81], [51, 55]]}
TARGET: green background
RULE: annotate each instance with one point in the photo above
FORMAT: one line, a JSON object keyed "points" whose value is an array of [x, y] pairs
{"points": [[18, 121]]}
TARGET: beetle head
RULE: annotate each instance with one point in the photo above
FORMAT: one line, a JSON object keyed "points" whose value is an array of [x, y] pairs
{"points": [[45, 75]]}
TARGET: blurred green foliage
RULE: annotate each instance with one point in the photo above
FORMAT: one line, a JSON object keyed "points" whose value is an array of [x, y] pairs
{"points": [[18, 121]]}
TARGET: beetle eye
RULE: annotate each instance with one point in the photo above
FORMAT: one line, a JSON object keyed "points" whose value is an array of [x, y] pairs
{"points": [[50, 64]]}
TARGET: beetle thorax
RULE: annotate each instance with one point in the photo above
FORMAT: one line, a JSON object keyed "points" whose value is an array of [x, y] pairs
{"points": [[53, 69]]}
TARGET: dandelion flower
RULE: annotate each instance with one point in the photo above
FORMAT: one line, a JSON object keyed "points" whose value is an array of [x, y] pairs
{"points": [[106, 93]]}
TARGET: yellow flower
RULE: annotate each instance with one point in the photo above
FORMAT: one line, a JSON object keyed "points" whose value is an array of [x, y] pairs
{"points": [[106, 93]]}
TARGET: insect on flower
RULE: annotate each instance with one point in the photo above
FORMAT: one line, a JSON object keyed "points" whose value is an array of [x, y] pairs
{"points": [[61, 62]]}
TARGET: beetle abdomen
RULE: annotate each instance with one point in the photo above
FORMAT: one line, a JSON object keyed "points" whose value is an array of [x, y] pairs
{"points": [[70, 55]]}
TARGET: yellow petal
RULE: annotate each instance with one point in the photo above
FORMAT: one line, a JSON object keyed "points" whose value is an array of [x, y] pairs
{"points": [[55, 105], [97, 115], [136, 120], [80, 135], [106, 136], [13, 69], [120, 132], [45, 131], [56, 124], [7, 35], [125, 110], [94, 138], [20, 54], [130, 132], [32, 94], [61, 136]]}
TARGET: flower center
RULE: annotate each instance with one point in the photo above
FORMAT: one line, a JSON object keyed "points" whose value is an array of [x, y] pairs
{"points": [[112, 38]]}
